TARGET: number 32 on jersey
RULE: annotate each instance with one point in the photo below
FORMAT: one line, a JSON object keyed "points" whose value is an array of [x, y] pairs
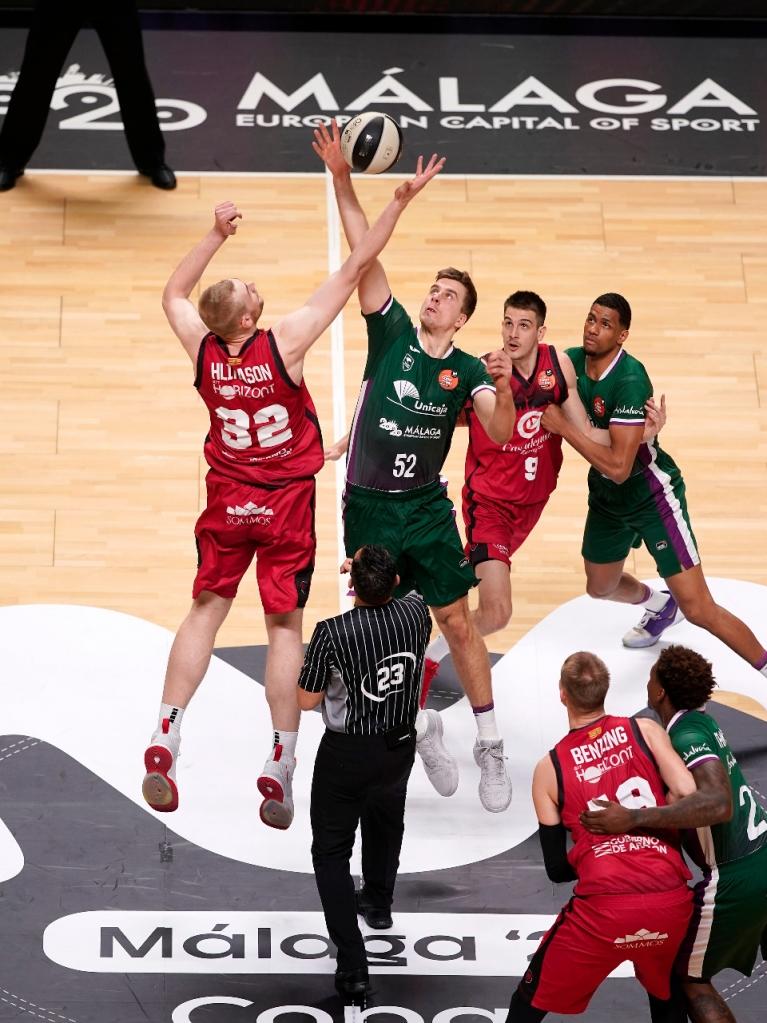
{"points": [[269, 423]]}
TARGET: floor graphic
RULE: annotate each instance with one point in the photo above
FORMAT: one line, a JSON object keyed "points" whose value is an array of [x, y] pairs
{"points": [[110, 912]]}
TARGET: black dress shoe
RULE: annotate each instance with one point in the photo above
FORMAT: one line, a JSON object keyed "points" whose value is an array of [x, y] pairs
{"points": [[8, 177], [378, 919], [161, 176], [353, 983]]}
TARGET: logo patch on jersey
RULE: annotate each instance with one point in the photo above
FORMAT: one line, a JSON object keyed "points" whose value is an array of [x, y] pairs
{"points": [[661, 545], [547, 380], [599, 406], [595, 732], [447, 379], [390, 426], [404, 389], [642, 939], [407, 363], [233, 361], [529, 423], [249, 514]]}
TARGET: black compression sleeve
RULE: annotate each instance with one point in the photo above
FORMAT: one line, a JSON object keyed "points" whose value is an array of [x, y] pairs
{"points": [[553, 838]]}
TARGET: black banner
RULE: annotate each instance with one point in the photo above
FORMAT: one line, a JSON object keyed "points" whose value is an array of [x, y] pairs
{"points": [[493, 104]]}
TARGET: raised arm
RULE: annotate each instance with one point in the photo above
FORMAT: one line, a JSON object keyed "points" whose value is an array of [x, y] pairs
{"points": [[497, 412], [181, 312], [700, 798], [373, 288], [298, 331]]}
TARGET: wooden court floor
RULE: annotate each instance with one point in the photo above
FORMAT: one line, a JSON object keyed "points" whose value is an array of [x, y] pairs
{"points": [[101, 431]]}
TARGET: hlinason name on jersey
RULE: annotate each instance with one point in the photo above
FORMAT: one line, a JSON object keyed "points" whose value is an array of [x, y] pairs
{"points": [[248, 374], [591, 751]]}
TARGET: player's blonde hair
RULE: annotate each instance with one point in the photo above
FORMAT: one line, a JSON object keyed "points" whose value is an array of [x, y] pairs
{"points": [[585, 679], [220, 309]]}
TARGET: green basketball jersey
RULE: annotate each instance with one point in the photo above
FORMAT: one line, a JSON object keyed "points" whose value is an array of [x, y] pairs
{"points": [[697, 737], [618, 398], [407, 407]]}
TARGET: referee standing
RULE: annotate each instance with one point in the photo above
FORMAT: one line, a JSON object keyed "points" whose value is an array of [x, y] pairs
{"points": [[366, 664]]}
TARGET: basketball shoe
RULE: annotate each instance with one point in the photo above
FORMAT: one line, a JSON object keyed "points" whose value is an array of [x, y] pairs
{"points": [[494, 781], [441, 767], [159, 786], [276, 786], [653, 624]]}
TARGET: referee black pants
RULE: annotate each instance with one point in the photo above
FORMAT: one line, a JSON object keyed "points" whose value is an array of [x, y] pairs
{"points": [[54, 27], [357, 779]]}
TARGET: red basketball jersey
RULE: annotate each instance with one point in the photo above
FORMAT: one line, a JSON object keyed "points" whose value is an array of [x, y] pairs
{"points": [[525, 469], [263, 426], [610, 759]]}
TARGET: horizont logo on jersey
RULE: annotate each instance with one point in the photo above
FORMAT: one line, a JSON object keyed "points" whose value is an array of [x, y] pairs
{"points": [[404, 389]]}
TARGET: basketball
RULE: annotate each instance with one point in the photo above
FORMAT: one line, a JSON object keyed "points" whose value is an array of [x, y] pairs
{"points": [[371, 142]]}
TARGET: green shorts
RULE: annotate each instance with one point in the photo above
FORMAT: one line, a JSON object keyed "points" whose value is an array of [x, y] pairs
{"points": [[643, 509], [729, 920], [419, 531]]}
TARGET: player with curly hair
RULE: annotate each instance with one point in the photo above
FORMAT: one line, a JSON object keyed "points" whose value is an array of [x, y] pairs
{"points": [[729, 922]]}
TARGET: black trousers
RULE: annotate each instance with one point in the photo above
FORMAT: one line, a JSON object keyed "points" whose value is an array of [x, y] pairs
{"points": [[357, 780], [54, 27]]}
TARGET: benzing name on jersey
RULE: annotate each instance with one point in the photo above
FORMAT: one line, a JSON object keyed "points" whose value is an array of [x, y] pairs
{"points": [[248, 374], [591, 751]]}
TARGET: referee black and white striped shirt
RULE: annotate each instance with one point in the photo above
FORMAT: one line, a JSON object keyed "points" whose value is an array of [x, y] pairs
{"points": [[369, 663]]}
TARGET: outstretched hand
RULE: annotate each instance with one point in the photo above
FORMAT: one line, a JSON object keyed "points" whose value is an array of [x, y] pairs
{"points": [[327, 145], [409, 189], [227, 215]]}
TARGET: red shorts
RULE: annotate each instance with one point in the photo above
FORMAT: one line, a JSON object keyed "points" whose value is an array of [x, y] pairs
{"points": [[494, 531], [594, 934], [277, 525]]}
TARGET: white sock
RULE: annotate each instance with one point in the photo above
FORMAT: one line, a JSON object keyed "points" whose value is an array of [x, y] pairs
{"points": [[438, 649], [174, 716], [486, 726], [421, 725], [763, 671], [656, 601], [288, 742]]}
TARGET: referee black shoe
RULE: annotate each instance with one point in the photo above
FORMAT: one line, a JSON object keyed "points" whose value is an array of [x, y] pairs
{"points": [[378, 919], [8, 177], [353, 983]]}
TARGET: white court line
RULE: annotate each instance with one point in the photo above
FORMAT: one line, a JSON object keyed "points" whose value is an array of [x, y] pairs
{"points": [[337, 375], [404, 176]]}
